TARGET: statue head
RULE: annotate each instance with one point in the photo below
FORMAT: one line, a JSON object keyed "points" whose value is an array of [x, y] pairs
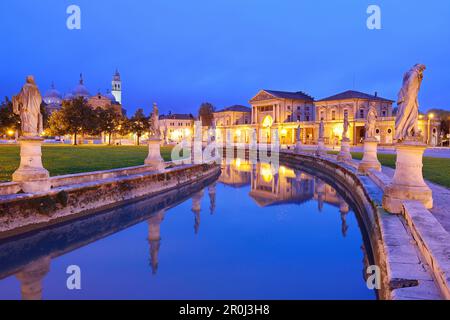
{"points": [[30, 80], [420, 67]]}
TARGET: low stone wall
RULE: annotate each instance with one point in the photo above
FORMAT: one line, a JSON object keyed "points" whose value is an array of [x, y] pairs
{"points": [[16, 253], [24, 212], [433, 242]]}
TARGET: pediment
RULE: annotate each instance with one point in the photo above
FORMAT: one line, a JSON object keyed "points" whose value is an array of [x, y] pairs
{"points": [[262, 96]]}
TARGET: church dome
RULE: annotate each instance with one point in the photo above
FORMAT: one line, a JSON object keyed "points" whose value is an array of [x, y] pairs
{"points": [[80, 90], [52, 96], [68, 96]]}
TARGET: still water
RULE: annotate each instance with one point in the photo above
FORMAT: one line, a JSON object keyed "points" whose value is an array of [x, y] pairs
{"points": [[256, 233]]}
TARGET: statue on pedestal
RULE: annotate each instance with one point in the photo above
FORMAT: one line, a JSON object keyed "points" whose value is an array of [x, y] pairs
{"points": [[408, 182], [406, 124], [31, 175], [154, 158], [155, 131], [321, 130], [346, 125], [371, 123], [27, 104]]}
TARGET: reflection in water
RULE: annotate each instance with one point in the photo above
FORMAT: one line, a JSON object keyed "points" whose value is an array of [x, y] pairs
{"points": [[31, 277], [154, 238], [197, 208], [212, 198], [268, 187]]}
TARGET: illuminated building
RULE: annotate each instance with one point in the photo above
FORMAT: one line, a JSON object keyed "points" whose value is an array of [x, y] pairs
{"points": [[284, 112], [176, 127]]}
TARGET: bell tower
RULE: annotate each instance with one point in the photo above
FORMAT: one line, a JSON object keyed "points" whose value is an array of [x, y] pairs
{"points": [[117, 87]]}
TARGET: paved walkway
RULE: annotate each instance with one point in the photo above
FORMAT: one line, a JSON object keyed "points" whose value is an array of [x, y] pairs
{"points": [[431, 152], [441, 197]]}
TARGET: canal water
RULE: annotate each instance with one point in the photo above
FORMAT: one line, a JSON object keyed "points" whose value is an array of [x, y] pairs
{"points": [[258, 232]]}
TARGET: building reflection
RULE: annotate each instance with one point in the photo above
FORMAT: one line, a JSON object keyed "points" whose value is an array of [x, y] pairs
{"points": [[154, 238], [31, 278], [271, 186]]}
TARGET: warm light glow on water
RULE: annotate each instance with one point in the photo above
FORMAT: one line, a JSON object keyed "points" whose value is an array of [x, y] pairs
{"points": [[245, 237]]}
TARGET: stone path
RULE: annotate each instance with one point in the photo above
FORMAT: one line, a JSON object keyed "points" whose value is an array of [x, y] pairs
{"points": [[441, 197]]}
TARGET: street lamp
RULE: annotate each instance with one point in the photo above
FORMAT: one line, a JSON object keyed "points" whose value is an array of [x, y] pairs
{"points": [[430, 117]]}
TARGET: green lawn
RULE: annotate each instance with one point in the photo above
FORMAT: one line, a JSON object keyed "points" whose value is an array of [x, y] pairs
{"points": [[66, 159], [436, 170]]}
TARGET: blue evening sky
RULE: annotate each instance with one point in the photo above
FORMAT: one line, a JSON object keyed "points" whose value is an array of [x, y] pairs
{"points": [[180, 53]]}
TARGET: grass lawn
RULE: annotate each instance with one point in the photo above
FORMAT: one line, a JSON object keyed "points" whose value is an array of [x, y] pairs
{"points": [[66, 159], [436, 170]]}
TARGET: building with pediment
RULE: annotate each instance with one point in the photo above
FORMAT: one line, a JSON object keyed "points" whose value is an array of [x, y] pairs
{"points": [[281, 113]]}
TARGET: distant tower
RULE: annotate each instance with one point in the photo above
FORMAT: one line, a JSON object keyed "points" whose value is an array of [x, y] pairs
{"points": [[117, 87]]}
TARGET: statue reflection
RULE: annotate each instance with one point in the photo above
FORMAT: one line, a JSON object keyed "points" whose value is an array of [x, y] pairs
{"points": [[31, 277], [320, 191], [344, 210], [212, 198], [154, 238], [196, 209]]}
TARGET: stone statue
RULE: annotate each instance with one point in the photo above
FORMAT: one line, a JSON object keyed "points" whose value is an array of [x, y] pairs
{"points": [[27, 104], [321, 130], [371, 123], [299, 133], [155, 131], [406, 124], [254, 137], [346, 125]]}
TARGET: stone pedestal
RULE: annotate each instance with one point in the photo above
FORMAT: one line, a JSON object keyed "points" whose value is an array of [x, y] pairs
{"points": [[408, 182], [321, 150], [154, 158], [31, 174], [344, 154], [370, 158]]}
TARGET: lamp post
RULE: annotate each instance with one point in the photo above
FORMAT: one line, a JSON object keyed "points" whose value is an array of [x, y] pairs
{"points": [[430, 117]]}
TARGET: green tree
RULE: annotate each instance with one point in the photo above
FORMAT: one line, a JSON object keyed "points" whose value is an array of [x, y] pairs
{"points": [[109, 122], [206, 114], [8, 119], [74, 118], [139, 124]]}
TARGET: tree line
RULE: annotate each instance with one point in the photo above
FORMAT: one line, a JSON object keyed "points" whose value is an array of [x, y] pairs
{"points": [[77, 118]]}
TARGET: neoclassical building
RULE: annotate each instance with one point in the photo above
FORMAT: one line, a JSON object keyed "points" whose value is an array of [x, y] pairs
{"points": [[176, 127], [284, 112]]}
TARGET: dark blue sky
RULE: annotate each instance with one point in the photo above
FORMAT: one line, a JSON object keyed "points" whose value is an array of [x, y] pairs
{"points": [[180, 53]]}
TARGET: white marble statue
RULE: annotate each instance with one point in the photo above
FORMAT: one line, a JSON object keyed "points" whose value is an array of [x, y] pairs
{"points": [[299, 134], [27, 104], [346, 125], [321, 130], [406, 124], [371, 123], [155, 131]]}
